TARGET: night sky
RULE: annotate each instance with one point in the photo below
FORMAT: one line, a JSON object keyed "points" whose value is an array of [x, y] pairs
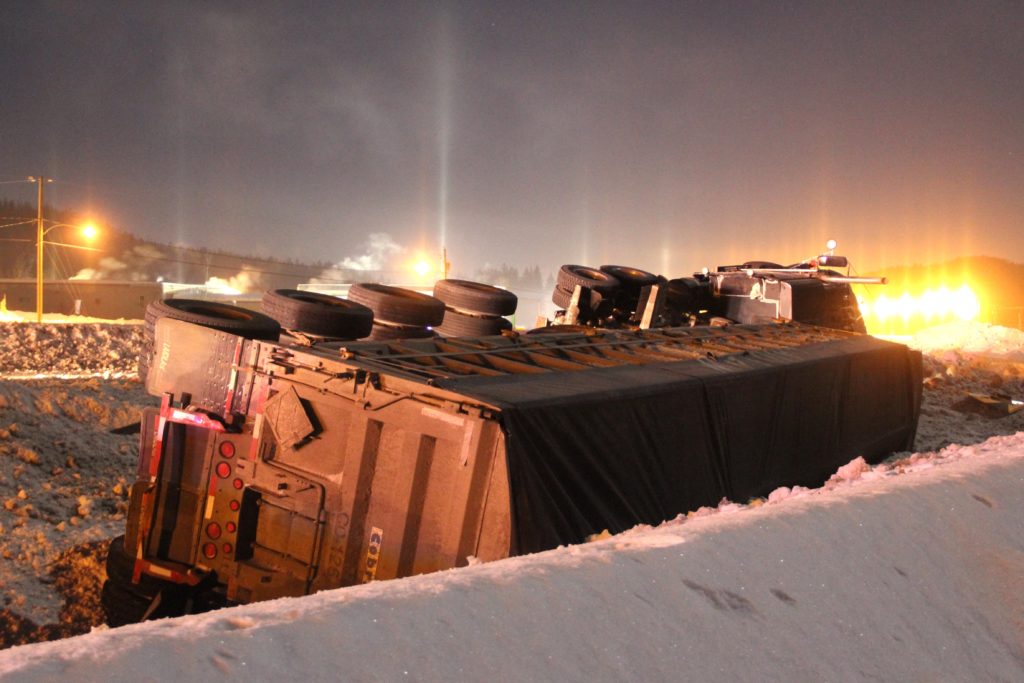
{"points": [[666, 136]]}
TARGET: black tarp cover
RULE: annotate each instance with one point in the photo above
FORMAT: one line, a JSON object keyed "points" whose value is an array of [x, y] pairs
{"points": [[613, 447]]}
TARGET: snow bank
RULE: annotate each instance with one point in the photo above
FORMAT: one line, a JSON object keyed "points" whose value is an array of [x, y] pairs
{"points": [[54, 350], [907, 572], [971, 337]]}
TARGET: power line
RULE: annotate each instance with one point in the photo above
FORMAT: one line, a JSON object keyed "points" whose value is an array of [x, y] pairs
{"points": [[242, 269]]}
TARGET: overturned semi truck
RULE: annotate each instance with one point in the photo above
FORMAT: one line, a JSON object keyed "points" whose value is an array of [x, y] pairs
{"points": [[274, 468]]}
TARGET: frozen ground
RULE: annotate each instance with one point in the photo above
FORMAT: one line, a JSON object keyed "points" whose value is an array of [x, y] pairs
{"points": [[706, 585], [63, 474], [57, 349], [994, 365]]}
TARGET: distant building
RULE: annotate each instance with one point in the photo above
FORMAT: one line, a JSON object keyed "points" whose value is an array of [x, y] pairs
{"points": [[111, 299]]}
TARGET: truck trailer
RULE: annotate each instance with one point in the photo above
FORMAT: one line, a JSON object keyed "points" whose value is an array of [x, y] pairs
{"points": [[285, 465]]}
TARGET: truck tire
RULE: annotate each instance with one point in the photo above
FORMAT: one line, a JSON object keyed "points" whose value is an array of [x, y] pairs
{"points": [[212, 314], [215, 315], [319, 314], [569, 276], [476, 297], [398, 305], [119, 568], [125, 602], [561, 297], [392, 333], [461, 325], [121, 605], [631, 279]]}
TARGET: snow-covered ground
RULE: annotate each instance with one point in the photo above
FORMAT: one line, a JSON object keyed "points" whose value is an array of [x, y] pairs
{"points": [[903, 572], [971, 338], [909, 570]]}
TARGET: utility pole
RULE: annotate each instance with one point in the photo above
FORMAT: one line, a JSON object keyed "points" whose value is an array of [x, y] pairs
{"points": [[39, 251]]}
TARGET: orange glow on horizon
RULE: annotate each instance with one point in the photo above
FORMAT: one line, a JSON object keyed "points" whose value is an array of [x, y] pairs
{"points": [[909, 313]]}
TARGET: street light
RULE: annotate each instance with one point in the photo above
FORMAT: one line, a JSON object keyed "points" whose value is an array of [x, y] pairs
{"points": [[88, 231]]}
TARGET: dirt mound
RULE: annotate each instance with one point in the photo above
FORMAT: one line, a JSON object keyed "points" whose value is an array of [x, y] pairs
{"points": [[949, 376], [63, 480], [77, 575]]}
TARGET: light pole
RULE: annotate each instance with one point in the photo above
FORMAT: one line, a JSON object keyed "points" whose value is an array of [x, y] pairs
{"points": [[41, 230], [40, 180]]}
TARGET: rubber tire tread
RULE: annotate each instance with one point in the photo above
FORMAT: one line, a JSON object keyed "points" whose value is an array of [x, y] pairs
{"points": [[561, 297], [632, 279], [398, 305], [476, 297], [247, 324], [571, 275], [461, 325], [319, 314]]}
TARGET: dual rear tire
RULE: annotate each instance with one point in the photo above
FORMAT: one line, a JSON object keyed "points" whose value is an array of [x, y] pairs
{"points": [[474, 309]]}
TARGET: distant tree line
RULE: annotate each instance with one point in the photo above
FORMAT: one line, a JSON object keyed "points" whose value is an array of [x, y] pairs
{"points": [[510, 277], [121, 255]]}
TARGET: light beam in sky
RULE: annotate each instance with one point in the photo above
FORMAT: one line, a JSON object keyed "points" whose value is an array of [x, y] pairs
{"points": [[444, 125]]}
